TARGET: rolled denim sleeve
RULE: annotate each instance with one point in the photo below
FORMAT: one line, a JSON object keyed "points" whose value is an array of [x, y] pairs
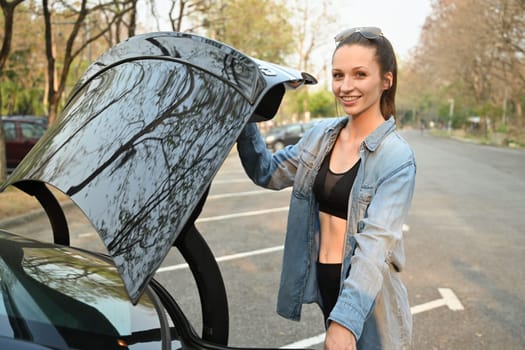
{"points": [[379, 231]]}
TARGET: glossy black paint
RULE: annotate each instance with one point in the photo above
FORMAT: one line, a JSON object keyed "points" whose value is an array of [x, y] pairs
{"points": [[53, 295], [144, 133]]}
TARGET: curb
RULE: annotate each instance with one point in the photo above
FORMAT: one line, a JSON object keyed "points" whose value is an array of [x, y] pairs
{"points": [[28, 217]]}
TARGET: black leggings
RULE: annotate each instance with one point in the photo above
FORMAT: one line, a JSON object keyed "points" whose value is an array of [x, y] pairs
{"points": [[328, 278]]}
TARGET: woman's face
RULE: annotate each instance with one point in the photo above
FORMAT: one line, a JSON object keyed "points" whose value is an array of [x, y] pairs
{"points": [[356, 80]]}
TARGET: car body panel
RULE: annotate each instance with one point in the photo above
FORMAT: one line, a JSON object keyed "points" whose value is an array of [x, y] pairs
{"points": [[143, 134], [53, 295]]}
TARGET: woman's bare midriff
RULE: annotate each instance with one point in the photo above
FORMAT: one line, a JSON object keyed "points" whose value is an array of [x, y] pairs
{"points": [[333, 231]]}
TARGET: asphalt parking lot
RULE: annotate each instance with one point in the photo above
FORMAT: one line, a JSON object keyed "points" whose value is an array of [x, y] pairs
{"points": [[464, 243]]}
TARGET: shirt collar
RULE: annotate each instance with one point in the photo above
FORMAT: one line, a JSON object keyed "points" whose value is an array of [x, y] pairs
{"points": [[373, 140]]}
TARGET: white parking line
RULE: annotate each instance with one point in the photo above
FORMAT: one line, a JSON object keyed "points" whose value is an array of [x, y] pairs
{"points": [[239, 215], [304, 343], [227, 257], [448, 299], [232, 181], [241, 194]]}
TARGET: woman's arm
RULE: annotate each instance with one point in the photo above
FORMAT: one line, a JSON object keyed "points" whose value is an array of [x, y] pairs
{"points": [[274, 171], [339, 338], [378, 233]]}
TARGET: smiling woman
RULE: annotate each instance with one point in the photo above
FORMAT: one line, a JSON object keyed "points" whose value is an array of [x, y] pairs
{"points": [[353, 179]]}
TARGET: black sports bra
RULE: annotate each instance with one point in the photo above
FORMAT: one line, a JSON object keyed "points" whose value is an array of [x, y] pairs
{"points": [[333, 190]]}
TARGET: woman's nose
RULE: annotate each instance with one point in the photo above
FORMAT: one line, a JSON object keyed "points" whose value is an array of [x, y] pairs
{"points": [[347, 84]]}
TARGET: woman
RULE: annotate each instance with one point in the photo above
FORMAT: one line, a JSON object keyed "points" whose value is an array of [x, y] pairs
{"points": [[353, 180]]}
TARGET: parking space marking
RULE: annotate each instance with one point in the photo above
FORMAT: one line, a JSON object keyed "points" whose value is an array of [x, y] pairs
{"points": [[247, 179], [301, 344], [241, 194], [228, 257], [448, 298], [243, 214]]}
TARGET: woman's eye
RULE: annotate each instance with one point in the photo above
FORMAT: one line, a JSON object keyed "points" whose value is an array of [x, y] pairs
{"points": [[337, 75], [360, 74]]}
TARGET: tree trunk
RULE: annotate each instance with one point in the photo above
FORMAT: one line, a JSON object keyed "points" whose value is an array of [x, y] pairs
{"points": [[8, 10], [3, 161], [132, 19], [50, 57]]}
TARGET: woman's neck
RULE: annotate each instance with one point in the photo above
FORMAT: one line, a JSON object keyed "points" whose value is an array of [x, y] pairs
{"points": [[358, 128]]}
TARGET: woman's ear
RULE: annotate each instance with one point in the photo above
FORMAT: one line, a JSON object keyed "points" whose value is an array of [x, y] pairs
{"points": [[388, 80]]}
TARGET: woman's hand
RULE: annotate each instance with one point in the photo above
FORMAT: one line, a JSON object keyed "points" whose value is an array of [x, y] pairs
{"points": [[339, 338]]}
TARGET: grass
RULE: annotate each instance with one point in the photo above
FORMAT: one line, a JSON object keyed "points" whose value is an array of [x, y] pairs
{"points": [[511, 140], [14, 202]]}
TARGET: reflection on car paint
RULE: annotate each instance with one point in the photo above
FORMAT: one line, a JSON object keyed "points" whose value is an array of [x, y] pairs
{"points": [[145, 131], [58, 294]]}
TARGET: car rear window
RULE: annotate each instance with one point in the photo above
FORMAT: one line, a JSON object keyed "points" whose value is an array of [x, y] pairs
{"points": [[32, 130], [9, 131]]}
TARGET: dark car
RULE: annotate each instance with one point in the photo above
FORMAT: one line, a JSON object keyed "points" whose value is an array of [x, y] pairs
{"points": [[280, 136], [21, 133], [136, 148]]}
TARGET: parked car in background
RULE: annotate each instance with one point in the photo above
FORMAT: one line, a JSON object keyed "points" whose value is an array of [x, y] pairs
{"points": [[281, 136], [135, 149], [21, 133]]}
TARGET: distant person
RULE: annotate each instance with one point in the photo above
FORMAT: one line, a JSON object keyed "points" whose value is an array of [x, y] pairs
{"points": [[353, 180]]}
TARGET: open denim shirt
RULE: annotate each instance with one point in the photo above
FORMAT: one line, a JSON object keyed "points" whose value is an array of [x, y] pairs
{"points": [[373, 302]]}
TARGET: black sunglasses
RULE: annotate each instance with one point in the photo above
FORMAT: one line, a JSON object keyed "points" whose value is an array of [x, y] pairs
{"points": [[370, 33]]}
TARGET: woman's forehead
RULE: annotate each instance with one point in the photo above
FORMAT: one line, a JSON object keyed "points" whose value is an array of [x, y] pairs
{"points": [[348, 56]]}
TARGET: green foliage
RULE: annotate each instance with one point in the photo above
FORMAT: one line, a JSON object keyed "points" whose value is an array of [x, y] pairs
{"points": [[321, 104], [295, 105], [258, 28], [17, 100], [503, 128], [22, 81]]}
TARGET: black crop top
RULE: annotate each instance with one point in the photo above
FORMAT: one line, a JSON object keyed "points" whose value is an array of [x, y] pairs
{"points": [[333, 190]]}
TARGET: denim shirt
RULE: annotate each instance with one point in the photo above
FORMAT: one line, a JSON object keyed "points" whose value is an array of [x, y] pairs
{"points": [[372, 302]]}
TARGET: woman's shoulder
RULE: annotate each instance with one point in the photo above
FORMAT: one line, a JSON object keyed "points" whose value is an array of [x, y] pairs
{"points": [[395, 149]]}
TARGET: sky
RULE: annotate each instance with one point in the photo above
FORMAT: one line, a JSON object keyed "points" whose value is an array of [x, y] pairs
{"points": [[400, 20]]}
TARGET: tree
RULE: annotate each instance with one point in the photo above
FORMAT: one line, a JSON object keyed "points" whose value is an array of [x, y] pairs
{"points": [[8, 10], [322, 103], [312, 26], [189, 12], [258, 28], [474, 53], [81, 17]]}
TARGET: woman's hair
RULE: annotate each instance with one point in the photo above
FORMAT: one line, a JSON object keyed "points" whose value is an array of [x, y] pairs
{"points": [[386, 59]]}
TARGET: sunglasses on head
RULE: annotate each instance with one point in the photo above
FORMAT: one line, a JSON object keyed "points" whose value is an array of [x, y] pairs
{"points": [[369, 33]]}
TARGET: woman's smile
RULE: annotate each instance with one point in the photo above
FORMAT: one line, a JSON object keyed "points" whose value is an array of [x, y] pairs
{"points": [[349, 100]]}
